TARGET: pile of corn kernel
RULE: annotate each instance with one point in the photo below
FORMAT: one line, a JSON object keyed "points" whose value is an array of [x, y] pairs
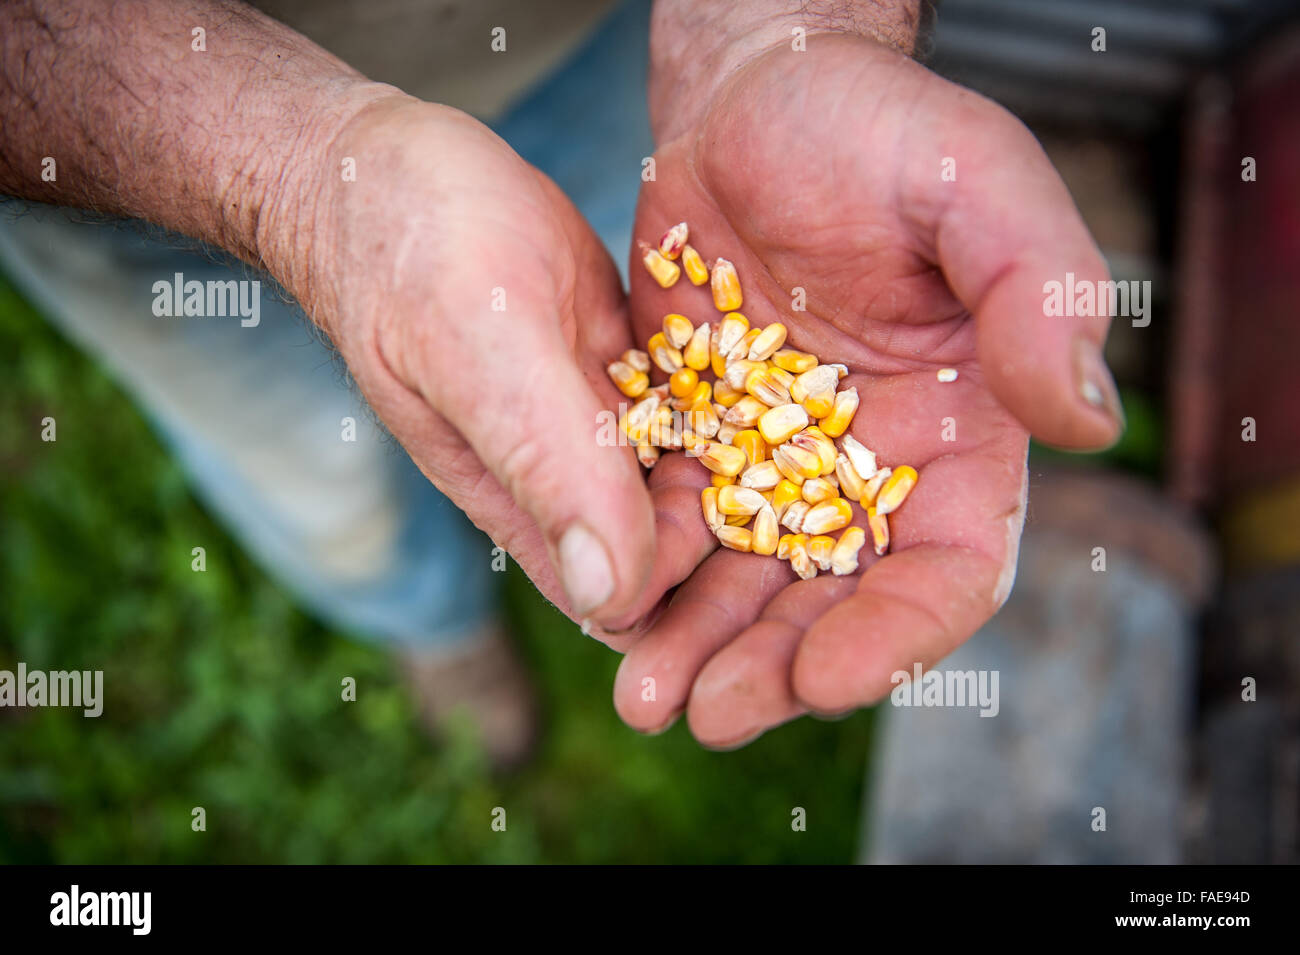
{"points": [[765, 426]]}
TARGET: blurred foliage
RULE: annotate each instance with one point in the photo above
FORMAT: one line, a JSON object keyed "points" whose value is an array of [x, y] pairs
{"points": [[220, 693], [1139, 450]]}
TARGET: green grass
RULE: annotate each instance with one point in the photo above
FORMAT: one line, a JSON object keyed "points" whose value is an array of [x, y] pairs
{"points": [[220, 693]]}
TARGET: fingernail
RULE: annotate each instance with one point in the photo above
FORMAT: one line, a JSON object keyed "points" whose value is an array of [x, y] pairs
{"points": [[585, 569], [1095, 384]]}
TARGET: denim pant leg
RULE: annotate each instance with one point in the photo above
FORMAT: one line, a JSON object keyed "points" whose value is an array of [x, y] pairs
{"points": [[256, 416], [588, 126]]}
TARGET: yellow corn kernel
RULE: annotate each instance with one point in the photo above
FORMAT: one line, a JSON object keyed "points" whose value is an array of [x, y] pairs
{"points": [[763, 476], [678, 330], [844, 558], [741, 350], [738, 520], [820, 548], [861, 458], [814, 439], [785, 494], [724, 394], [637, 359], [722, 480], [879, 525], [734, 499], [731, 330], [726, 286], [635, 422], [665, 428], [794, 361], [673, 241], [668, 358], [738, 370], [801, 563], [818, 489], [819, 405], [765, 345], [627, 379], [851, 482], [696, 353], [752, 443], [683, 382], [796, 464], [735, 538], [895, 490], [764, 385], [717, 362], [720, 458], [703, 391], [828, 516], [709, 505], [794, 515], [777, 425], [783, 546], [648, 455], [745, 413], [702, 419], [663, 271], [815, 381], [727, 431], [873, 486], [695, 268], [845, 407], [766, 531]]}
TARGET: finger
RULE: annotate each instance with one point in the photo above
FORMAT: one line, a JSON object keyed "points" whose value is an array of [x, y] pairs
{"points": [[744, 689], [682, 538], [1009, 229], [952, 564], [848, 657], [723, 596], [508, 382]]}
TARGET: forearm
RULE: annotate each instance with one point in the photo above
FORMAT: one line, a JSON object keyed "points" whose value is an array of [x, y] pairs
{"points": [[696, 44], [212, 143]]}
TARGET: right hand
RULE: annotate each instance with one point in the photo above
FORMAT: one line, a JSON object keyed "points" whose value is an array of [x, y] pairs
{"points": [[476, 310]]}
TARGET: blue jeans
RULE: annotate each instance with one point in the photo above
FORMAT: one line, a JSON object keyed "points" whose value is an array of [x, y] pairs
{"points": [[257, 414]]}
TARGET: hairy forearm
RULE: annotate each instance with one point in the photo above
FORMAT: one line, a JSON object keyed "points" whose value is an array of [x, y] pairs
{"points": [[696, 44], [108, 105]]}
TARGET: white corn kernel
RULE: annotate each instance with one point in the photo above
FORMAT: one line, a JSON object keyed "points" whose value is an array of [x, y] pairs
{"points": [[763, 476], [844, 558], [673, 241], [860, 456], [795, 514]]}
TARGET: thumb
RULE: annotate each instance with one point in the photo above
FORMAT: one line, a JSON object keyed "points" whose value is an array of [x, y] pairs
{"points": [[539, 426], [1014, 250]]}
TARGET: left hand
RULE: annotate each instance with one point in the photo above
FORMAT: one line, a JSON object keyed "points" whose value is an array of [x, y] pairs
{"points": [[822, 170]]}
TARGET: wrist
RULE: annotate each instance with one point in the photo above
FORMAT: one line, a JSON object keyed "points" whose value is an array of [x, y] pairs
{"points": [[695, 45], [287, 189]]}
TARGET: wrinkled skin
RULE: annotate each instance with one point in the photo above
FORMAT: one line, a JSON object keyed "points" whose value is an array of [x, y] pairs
{"points": [[824, 172]]}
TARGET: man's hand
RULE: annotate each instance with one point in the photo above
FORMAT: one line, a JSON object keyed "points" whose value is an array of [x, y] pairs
{"points": [[823, 170], [473, 305], [477, 309]]}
